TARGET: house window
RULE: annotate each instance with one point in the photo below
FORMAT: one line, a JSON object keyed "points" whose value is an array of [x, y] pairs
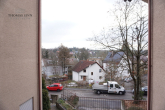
{"points": [[91, 73], [99, 70], [100, 77], [81, 77], [84, 70]]}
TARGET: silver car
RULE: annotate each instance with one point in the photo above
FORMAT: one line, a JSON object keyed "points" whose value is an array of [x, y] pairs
{"points": [[144, 89]]}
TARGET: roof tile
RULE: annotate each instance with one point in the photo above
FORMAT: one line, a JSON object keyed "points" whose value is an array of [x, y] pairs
{"points": [[82, 65]]}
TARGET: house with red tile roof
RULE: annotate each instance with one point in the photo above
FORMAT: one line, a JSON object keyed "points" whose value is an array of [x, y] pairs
{"points": [[86, 70]]}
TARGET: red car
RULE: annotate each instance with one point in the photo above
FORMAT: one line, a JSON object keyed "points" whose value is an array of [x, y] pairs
{"points": [[55, 87]]}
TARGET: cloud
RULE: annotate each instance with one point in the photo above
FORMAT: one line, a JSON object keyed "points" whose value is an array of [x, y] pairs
{"points": [[53, 31], [71, 22]]}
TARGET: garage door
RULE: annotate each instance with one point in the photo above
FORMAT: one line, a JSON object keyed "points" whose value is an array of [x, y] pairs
{"points": [[28, 105]]}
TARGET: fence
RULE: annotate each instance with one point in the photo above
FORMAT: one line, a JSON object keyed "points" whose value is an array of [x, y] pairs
{"points": [[70, 97], [89, 103]]}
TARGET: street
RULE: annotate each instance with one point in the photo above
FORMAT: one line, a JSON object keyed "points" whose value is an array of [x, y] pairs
{"points": [[89, 93]]}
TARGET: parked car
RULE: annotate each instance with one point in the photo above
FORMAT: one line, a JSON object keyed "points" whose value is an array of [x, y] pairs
{"points": [[109, 87], [55, 87], [144, 89], [72, 84], [62, 79], [128, 79]]}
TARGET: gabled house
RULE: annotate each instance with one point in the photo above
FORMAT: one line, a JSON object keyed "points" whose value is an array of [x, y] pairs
{"points": [[116, 65], [86, 70]]}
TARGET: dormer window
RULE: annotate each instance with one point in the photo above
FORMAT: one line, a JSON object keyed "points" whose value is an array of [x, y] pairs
{"points": [[84, 70]]}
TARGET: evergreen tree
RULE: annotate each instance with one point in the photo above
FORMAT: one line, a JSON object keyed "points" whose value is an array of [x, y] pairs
{"points": [[46, 54], [45, 97]]}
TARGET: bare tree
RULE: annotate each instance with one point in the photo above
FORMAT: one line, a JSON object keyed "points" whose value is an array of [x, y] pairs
{"points": [[56, 70], [63, 56], [128, 33], [111, 70]]}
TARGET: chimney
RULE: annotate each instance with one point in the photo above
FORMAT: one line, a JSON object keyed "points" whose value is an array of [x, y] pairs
{"points": [[111, 53]]}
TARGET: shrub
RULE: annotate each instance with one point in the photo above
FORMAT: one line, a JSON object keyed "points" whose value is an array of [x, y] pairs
{"points": [[73, 100], [45, 100], [141, 93], [64, 104], [135, 108], [68, 107], [60, 101], [43, 83]]}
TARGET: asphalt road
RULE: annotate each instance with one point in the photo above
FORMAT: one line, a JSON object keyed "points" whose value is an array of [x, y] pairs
{"points": [[89, 93]]}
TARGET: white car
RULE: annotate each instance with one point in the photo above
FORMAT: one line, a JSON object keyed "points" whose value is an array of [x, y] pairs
{"points": [[72, 84], [128, 79]]}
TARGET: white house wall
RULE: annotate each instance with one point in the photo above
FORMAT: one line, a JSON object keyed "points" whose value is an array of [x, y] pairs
{"points": [[122, 71], [74, 76], [105, 66]]}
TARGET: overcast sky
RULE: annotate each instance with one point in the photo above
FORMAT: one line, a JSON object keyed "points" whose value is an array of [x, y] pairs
{"points": [[72, 22]]}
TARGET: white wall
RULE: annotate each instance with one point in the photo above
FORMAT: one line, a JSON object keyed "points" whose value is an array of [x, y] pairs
{"points": [[122, 71], [105, 66], [74, 76]]}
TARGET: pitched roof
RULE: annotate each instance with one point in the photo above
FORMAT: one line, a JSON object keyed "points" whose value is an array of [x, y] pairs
{"points": [[82, 65], [109, 56], [116, 58]]}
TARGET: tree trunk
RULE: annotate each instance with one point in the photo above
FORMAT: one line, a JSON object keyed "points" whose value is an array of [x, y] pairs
{"points": [[138, 76]]}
